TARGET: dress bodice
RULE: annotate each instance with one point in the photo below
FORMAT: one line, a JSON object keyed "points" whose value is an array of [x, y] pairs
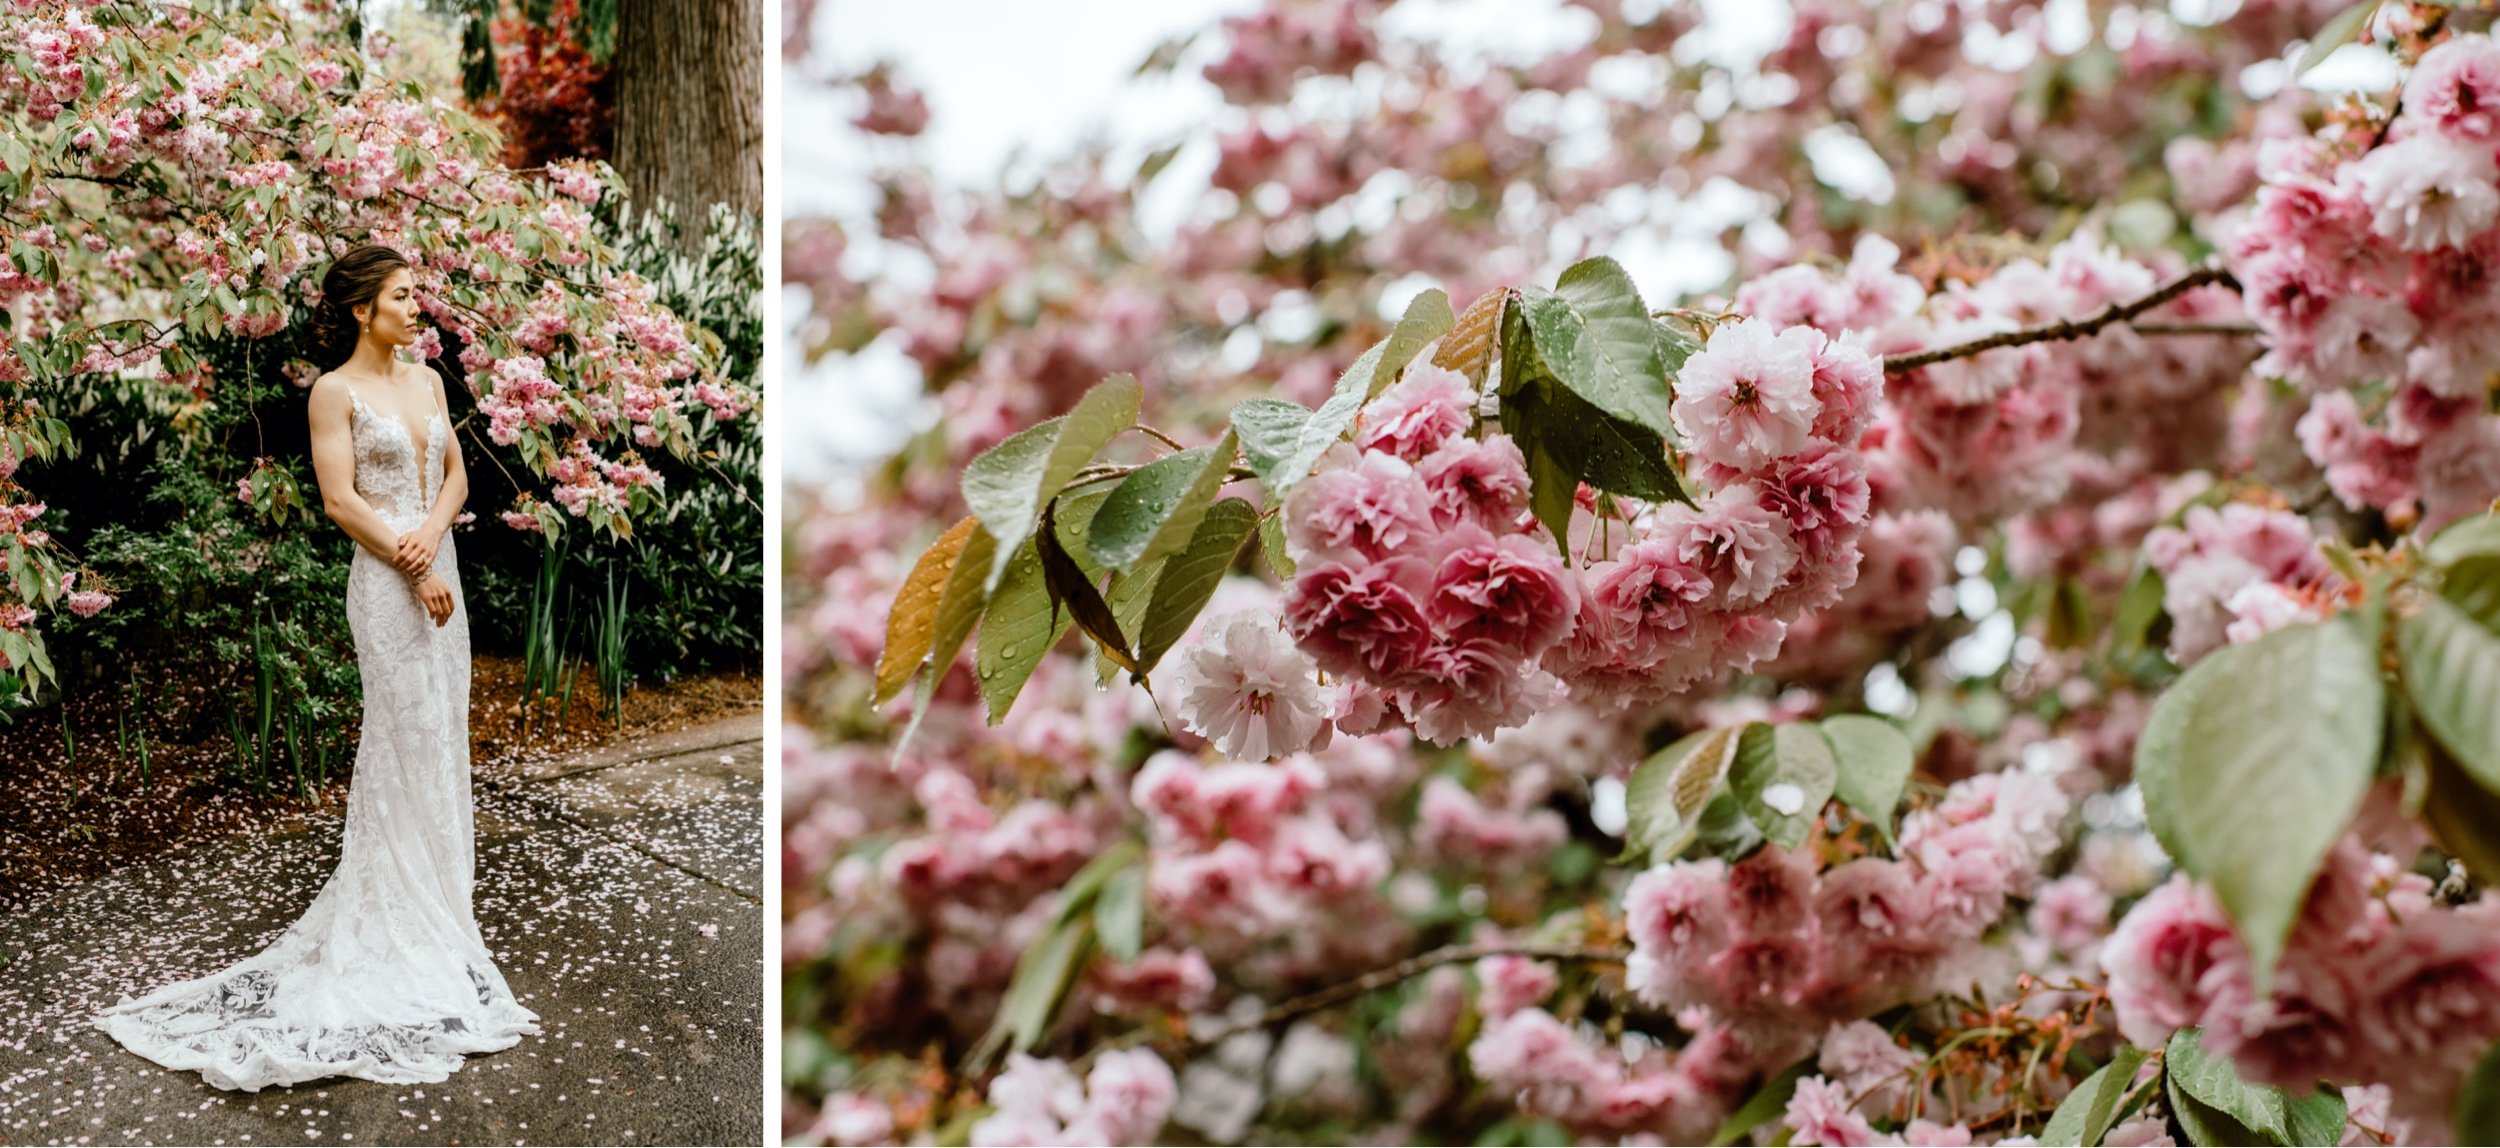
{"points": [[388, 474]]}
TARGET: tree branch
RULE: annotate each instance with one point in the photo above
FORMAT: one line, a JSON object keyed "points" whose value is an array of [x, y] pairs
{"points": [[2069, 329], [2235, 329], [1388, 975]]}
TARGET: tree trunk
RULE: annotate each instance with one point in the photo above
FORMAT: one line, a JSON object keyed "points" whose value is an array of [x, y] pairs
{"points": [[690, 106]]}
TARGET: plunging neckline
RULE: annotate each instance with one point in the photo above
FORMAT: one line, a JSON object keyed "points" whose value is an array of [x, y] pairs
{"points": [[422, 453]]}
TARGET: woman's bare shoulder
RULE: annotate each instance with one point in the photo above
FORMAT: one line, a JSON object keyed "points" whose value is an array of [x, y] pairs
{"points": [[331, 390]]}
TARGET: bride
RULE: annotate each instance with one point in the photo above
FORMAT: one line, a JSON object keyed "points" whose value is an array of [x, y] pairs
{"points": [[385, 976]]}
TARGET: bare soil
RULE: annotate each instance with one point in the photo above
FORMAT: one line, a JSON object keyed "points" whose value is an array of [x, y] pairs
{"points": [[77, 804]]}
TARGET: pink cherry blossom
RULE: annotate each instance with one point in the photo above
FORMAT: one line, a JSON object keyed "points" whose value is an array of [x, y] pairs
{"points": [[1748, 397], [1249, 690]]}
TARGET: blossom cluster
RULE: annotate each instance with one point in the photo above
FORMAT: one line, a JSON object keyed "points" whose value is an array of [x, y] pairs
{"points": [[2383, 982], [1775, 940], [2235, 573], [1771, 416], [1420, 574], [1124, 1099], [2368, 265]]}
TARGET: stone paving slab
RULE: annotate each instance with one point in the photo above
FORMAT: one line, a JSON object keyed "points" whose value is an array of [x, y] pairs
{"points": [[595, 898], [697, 810], [722, 733]]}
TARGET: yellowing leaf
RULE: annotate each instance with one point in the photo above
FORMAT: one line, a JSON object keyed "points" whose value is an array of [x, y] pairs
{"points": [[913, 622], [1468, 347]]}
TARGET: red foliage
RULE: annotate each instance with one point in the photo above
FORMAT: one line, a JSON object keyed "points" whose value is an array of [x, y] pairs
{"points": [[557, 103]]}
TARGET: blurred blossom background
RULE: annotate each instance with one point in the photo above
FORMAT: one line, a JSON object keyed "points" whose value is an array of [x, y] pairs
{"points": [[1429, 895]]}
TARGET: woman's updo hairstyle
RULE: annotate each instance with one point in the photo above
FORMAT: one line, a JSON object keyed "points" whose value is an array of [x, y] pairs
{"points": [[352, 281]]}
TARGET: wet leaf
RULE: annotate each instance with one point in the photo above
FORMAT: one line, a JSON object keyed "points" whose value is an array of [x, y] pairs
{"points": [[912, 624], [1468, 347], [1070, 588]]}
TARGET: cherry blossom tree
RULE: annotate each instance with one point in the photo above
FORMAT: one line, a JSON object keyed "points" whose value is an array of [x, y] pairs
{"points": [[172, 182], [2010, 662]]}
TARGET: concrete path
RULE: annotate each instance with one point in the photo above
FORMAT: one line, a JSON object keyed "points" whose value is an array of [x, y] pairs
{"points": [[598, 878]]}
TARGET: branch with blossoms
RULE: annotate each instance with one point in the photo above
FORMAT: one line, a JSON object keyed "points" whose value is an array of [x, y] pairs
{"points": [[2068, 330], [1448, 572], [1389, 976]]}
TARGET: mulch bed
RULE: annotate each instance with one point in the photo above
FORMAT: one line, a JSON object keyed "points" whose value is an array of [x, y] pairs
{"points": [[75, 807]]}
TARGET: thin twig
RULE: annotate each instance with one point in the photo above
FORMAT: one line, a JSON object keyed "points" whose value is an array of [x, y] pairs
{"points": [[2066, 329], [1157, 435], [2196, 328], [1413, 966]]}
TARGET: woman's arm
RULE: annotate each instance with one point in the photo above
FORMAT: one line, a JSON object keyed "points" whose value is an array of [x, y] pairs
{"points": [[334, 464]]}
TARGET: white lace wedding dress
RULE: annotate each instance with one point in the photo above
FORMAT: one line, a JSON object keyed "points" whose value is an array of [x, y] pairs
{"points": [[385, 977]]}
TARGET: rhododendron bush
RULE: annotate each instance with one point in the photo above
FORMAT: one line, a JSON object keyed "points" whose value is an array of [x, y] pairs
{"points": [[172, 184], [2031, 689]]}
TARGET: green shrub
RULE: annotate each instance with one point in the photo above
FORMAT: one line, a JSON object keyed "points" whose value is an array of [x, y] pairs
{"points": [[694, 569]]}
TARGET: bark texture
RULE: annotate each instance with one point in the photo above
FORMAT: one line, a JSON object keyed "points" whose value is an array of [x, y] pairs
{"points": [[690, 106]]}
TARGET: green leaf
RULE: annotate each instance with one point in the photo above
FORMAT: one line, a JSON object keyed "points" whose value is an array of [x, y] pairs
{"points": [[1724, 830], [2253, 763], [2087, 1112], [1190, 577], [2464, 816], [1668, 790], [1019, 626], [1043, 974], [1674, 347], [2344, 29], [1127, 596], [2315, 1119], [1873, 760], [1781, 776], [1077, 896], [2478, 1103], [1120, 913], [2452, 673], [2139, 606], [2207, 1126], [1003, 487], [2478, 536], [1553, 489], [2473, 583], [1007, 485], [1597, 448], [1598, 338], [2268, 1112], [1566, 438], [1155, 510], [1428, 317], [1272, 545], [1552, 494], [1762, 1106], [1269, 430]]}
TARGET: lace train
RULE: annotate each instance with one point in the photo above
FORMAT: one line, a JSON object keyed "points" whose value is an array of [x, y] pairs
{"points": [[385, 976]]}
